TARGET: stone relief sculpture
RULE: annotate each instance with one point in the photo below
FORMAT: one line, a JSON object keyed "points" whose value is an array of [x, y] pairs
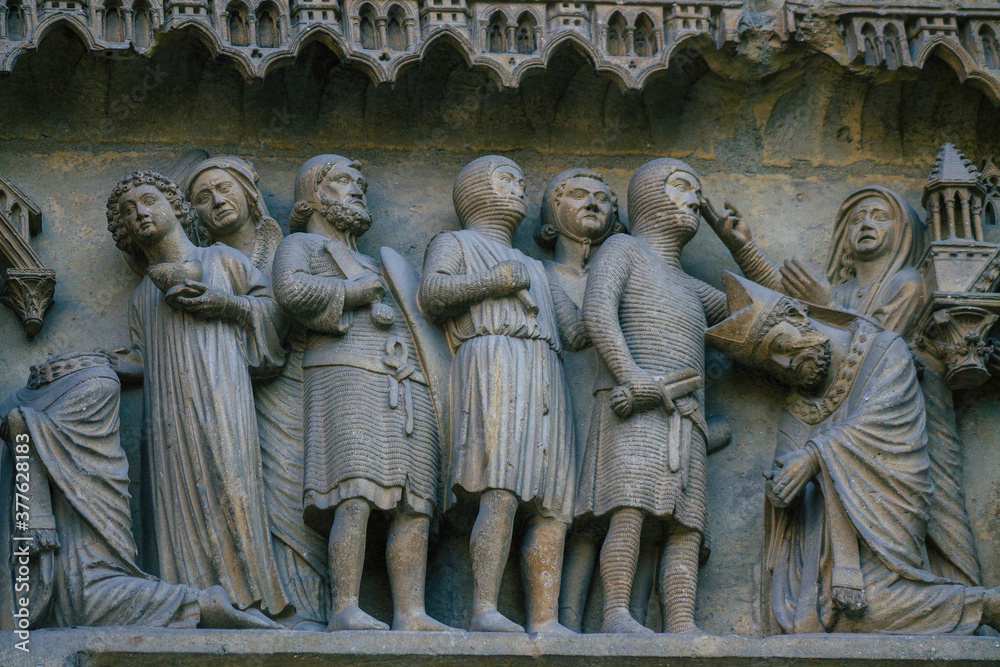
{"points": [[877, 242], [28, 286], [65, 461], [371, 437], [201, 320], [231, 209], [646, 452], [512, 432], [579, 211], [853, 428]]}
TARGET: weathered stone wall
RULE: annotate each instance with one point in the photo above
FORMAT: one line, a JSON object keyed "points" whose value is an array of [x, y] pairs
{"points": [[786, 148]]}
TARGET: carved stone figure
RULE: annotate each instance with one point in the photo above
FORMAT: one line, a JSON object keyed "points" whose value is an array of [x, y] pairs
{"points": [[371, 439], [512, 432], [231, 210], [853, 430], [646, 452], [201, 320], [66, 465], [579, 211], [877, 241]]}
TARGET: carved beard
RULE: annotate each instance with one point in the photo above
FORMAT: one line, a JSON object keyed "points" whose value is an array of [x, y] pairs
{"points": [[346, 214]]}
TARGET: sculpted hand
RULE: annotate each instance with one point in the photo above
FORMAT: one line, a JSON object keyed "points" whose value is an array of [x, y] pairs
{"points": [[511, 275], [200, 299], [363, 291], [794, 470], [800, 284], [729, 226], [638, 392]]}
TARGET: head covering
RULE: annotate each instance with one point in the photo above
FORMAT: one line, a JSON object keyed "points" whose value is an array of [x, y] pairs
{"points": [[549, 228], [475, 199], [311, 174], [907, 244], [754, 310], [647, 198], [244, 174]]}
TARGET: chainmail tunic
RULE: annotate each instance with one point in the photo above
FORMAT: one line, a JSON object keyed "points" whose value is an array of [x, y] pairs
{"points": [[661, 313]]}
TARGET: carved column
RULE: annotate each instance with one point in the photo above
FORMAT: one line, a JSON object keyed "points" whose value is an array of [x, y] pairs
{"points": [[410, 28], [97, 19], [539, 37], [657, 40], [127, 18], [380, 32], [604, 38], [511, 38], [3, 21], [483, 35], [630, 41], [224, 26], [28, 292], [252, 29], [356, 29]]}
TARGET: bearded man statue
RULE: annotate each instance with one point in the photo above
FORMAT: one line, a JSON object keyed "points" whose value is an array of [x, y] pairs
{"points": [[371, 437]]}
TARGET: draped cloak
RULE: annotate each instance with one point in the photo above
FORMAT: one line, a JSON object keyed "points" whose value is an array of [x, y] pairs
{"points": [[862, 522], [200, 429], [73, 431]]}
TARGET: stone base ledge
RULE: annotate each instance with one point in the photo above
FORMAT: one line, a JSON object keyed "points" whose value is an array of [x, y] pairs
{"points": [[93, 647]]}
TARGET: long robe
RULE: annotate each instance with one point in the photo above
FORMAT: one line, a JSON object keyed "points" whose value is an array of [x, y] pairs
{"points": [[82, 471], [201, 432], [949, 531], [299, 551], [862, 522]]}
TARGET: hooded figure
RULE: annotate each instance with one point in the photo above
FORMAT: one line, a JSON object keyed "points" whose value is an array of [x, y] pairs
{"points": [[259, 242], [877, 242], [237, 217], [512, 434], [646, 450]]}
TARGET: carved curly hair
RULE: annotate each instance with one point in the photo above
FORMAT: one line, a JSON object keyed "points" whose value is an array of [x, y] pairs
{"points": [[171, 191]]}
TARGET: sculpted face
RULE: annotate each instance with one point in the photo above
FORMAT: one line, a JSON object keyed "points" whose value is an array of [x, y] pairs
{"points": [[872, 228], [584, 208], [220, 202], [148, 215], [508, 182], [684, 194], [345, 184], [796, 352]]}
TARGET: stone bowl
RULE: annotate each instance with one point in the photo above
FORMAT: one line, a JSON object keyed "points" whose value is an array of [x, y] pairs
{"points": [[168, 275]]}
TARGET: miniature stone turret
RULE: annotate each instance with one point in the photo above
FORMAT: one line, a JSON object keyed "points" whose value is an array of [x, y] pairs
{"points": [[27, 286], [960, 271]]}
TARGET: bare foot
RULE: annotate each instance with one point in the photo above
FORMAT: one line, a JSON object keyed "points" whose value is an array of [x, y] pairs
{"points": [[419, 621], [552, 627], [492, 620], [352, 618], [991, 608], [217, 611], [308, 626], [620, 621]]}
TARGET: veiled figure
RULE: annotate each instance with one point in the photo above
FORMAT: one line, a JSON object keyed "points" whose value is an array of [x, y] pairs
{"points": [[231, 210], [870, 269]]}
